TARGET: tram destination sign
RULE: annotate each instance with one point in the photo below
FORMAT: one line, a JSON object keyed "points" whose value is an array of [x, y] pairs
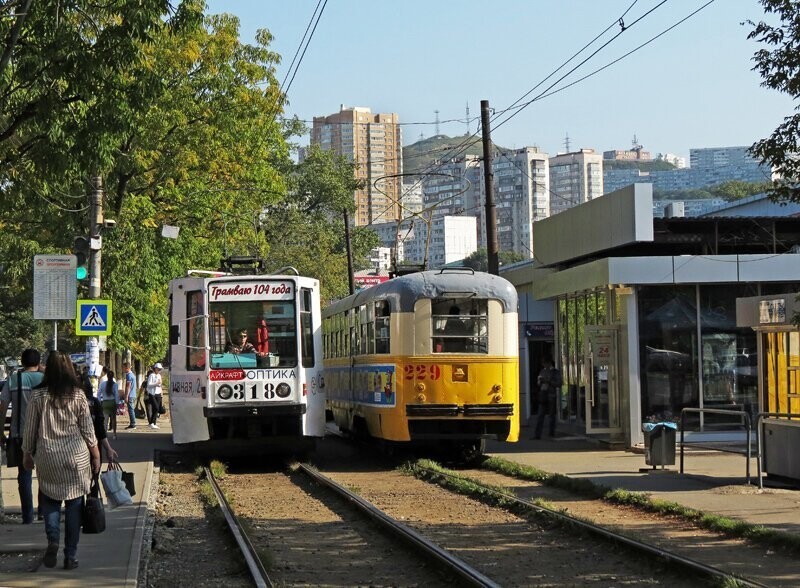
{"points": [[55, 289], [251, 290]]}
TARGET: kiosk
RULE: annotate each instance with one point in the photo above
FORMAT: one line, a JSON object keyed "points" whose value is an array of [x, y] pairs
{"points": [[772, 317]]}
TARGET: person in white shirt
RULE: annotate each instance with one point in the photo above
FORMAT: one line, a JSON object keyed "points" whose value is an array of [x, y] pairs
{"points": [[154, 394]]}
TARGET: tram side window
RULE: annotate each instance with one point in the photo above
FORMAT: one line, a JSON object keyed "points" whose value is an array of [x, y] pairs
{"points": [[367, 330], [195, 330], [382, 314], [307, 329], [459, 325]]}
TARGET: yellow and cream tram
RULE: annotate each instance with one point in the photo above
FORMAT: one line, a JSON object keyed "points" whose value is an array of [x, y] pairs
{"points": [[428, 358]]}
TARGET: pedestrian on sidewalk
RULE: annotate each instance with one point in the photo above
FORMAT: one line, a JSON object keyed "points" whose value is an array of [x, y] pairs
{"points": [[108, 395], [17, 392], [59, 433], [154, 394], [130, 394], [549, 387]]}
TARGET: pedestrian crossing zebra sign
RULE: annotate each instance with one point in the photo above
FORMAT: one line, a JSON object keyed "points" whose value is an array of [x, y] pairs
{"points": [[93, 317]]}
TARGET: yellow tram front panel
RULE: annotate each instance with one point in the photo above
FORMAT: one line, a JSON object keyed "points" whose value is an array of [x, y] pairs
{"points": [[454, 389]]}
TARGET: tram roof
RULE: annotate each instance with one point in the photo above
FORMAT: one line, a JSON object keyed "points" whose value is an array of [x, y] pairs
{"points": [[402, 292]]}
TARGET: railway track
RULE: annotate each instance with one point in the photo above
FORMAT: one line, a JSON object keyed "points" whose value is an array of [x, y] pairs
{"points": [[449, 565], [318, 525], [691, 566]]}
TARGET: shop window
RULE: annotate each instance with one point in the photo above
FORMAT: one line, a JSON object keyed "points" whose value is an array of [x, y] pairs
{"points": [[668, 350]]}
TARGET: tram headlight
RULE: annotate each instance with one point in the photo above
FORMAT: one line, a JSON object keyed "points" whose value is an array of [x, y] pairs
{"points": [[225, 392], [283, 390]]}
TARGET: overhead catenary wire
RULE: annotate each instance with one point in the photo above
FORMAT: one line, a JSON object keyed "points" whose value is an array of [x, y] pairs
{"points": [[464, 144], [546, 92]]}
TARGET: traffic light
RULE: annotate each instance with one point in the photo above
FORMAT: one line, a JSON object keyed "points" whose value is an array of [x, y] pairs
{"points": [[80, 249]]}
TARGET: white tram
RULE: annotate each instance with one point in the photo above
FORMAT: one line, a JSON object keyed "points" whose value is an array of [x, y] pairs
{"points": [[265, 393]]}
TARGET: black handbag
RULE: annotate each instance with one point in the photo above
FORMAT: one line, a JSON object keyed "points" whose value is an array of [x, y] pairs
{"points": [[128, 479], [14, 443], [14, 452], [94, 514]]}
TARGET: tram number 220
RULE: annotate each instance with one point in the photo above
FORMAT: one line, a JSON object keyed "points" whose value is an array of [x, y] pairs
{"points": [[422, 372]]}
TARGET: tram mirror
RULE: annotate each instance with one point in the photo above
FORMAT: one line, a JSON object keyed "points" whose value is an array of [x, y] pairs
{"points": [[174, 334]]}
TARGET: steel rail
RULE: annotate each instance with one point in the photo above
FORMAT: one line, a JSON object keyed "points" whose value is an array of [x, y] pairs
{"points": [[254, 564], [652, 550], [455, 565]]}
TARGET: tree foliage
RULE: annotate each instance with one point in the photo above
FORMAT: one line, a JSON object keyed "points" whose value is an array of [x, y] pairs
{"points": [[479, 260], [779, 67], [733, 190], [306, 230], [182, 121]]}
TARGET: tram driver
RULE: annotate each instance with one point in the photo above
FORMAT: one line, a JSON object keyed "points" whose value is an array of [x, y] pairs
{"points": [[240, 345]]}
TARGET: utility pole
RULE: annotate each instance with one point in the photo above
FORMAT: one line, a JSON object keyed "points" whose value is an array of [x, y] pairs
{"points": [[350, 277], [492, 248], [95, 238]]}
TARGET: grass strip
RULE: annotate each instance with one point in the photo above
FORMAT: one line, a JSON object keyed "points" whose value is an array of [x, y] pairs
{"points": [[486, 493], [757, 534], [492, 495]]}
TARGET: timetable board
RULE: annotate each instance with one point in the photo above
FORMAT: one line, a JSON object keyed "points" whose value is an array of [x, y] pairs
{"points": [[55, 288]]}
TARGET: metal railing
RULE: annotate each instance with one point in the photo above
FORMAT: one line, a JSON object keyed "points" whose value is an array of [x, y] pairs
{"points": [[740, 413], [759, 422]]}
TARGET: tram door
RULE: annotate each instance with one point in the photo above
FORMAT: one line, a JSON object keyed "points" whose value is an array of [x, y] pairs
{"points": [[602, 378]]}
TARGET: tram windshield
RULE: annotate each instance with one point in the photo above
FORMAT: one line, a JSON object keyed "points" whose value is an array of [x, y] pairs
{"points": [[459, 325], [249, 334]]}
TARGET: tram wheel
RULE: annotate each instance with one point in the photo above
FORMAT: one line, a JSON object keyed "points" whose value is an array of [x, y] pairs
{"points": [[471, 452]]}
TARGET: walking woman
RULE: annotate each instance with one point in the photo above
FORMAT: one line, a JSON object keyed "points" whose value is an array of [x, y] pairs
{"points": [[59, 438], [108, 395]]}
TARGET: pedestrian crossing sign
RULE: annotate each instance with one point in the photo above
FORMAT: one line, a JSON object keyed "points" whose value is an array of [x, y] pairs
{"points": [[93, 317]]}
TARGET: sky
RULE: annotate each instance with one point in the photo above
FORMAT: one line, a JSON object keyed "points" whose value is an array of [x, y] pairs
{"points": [[692, 87]]}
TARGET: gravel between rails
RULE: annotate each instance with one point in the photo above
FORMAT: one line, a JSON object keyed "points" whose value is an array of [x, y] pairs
{"points": [[191, 545], [765, 565], [512, 550]]}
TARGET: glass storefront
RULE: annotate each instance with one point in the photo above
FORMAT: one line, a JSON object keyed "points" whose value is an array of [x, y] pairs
{"points": [[574, 314], [692, 353]]}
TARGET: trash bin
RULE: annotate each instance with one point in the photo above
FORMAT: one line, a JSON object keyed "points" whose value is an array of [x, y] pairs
{"points": [[659, 443]]}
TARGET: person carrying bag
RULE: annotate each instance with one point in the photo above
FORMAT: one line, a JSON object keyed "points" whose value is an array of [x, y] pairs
{"points": [[14, 441], [116, 491]]}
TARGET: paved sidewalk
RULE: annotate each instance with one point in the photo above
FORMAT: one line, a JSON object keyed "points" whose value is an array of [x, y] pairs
{"points": [[714, 482], [109, 559]]}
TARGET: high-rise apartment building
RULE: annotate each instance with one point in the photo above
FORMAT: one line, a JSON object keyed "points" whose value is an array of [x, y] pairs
{"points": [[521, 194], [710, 166], [374, 143], [575, 178]]}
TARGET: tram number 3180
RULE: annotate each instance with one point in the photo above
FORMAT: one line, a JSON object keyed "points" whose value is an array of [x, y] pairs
{"points": [[260, 390]]}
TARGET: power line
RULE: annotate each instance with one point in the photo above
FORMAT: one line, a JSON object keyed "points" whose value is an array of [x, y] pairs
{"points": [[595, 52], [303, 54], [299, 46]]}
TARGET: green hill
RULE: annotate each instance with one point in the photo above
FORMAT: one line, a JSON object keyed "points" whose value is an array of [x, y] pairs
{"points": [[421, 155]]}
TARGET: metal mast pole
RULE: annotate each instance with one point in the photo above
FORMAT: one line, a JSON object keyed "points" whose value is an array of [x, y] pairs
{"points": [[350, 276], [492, 249], [95, 227]]}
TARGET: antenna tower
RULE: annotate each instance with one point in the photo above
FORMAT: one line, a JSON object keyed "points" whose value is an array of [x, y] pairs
{"points": [[467, 118], [437, 121], [566, 142]]}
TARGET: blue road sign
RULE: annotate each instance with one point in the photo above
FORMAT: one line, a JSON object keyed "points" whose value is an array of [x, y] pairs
{"points": [[93, 317]]}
